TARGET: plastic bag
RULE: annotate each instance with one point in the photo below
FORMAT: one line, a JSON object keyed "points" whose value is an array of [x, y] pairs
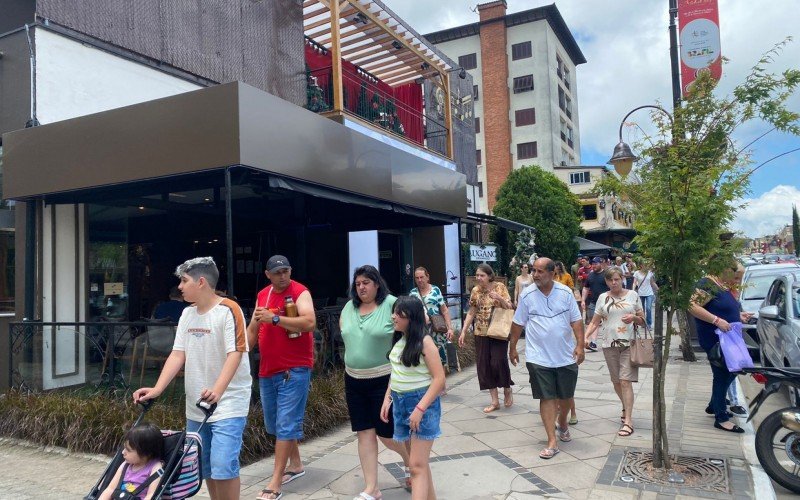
{"points": [[734, 350]]}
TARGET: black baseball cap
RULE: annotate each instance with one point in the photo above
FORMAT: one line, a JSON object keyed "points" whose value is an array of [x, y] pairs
{"points": [[596, 260], [277, 262]]}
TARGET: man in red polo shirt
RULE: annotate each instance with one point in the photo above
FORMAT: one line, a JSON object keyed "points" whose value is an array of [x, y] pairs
{"points": [[286, 344]]}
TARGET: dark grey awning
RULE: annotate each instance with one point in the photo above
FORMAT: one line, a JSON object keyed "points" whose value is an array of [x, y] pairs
{"points": [[497, 221], [324, 192], [589, 245], [210, 129], [354, 199]]}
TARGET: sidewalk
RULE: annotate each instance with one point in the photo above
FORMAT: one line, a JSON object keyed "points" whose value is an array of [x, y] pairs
{"points": [[478, 456]]}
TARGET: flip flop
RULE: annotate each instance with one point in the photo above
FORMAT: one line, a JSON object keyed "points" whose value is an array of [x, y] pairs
{"points": [[292, 476], [269, 495], [366, 496], [573, 420], [623, 432], [564, 436], [492, 407], [407, 477], [548, 453]]}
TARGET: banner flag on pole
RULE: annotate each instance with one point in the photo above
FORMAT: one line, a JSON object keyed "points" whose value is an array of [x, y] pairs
{"points": [[699, 39]]}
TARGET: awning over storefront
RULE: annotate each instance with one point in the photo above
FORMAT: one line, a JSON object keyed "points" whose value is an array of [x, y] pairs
{"points": [[227, 125], [590, 246], [497, 221]]}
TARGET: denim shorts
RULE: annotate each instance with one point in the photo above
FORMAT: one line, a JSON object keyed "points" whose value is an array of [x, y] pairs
{"points": [[222, 442], [403, 404], [283, 399]]}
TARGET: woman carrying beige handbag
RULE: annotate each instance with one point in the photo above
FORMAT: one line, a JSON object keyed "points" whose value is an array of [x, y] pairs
{"points": [[616, 314], [487, 297]]}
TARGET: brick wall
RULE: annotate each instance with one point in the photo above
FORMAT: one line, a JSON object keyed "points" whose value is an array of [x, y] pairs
{"points": [[496, 99]]}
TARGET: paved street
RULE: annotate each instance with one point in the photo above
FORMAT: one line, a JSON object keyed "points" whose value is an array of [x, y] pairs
{"points": [[478, 456]]}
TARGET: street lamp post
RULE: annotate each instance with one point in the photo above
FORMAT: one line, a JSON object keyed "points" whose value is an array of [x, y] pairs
{"points": [[622, 159]]}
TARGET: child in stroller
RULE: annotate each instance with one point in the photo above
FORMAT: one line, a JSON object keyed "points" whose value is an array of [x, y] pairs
{"points": [[140, 474], [172, 468]]}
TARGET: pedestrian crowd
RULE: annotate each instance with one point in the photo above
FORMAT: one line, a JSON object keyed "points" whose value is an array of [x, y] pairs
{"points": [[395, 357]]}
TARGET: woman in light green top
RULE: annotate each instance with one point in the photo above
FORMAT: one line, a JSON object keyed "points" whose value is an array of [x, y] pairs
{"points": [[367, 329]]}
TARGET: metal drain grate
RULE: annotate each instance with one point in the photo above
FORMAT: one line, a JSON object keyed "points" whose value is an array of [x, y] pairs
{"points": [[708, 474]]}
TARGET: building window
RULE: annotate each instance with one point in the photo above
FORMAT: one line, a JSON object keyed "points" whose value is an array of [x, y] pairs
{"points": [[566, 77], [523, 84], [580, 178], [568, 107], [590, 212], [474, 92], [562, 99], [480, 190], [7, 271], [469, 61], [526, 150], [525, 116], [559, 67], [478, 156], [477, 125], [521, 51]]}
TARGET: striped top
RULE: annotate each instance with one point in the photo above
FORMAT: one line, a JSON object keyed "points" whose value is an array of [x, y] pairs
{"points": [[407, 378]]}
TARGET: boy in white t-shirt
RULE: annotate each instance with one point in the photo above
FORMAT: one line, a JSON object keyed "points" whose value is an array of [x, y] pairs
{"points": [[211, 347]]}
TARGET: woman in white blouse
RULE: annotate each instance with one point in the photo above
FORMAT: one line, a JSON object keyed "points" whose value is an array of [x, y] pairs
{"points": [[617, 312]]}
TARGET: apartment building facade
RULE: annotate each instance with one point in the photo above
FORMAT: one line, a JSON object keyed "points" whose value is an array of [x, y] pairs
{"points": [[525, 91]]}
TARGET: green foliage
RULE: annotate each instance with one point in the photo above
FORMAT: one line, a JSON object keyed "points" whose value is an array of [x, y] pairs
{"points": [[96, 423], [315, 98], [539, 199], [685, 190], [795, 231]]}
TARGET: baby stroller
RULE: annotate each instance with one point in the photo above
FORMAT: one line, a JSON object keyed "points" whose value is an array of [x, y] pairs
{"points": [[181, 474]]}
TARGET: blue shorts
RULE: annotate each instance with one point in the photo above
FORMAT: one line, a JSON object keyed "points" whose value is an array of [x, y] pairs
{"points": [[222, 442], [283, 399], [402, 406]]}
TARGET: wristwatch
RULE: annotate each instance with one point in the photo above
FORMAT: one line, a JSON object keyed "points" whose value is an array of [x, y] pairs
{"points": [[275, 320]]}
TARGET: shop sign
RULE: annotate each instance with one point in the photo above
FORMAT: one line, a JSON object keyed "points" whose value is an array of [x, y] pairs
{"points": [[483, 253]]}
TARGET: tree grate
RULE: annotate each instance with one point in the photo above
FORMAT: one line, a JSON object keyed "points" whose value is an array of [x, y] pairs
{"points": [[703, 473]]}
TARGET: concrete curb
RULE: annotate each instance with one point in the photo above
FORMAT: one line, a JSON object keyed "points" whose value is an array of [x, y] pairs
{"points": [[761, 481], [56, 450]]}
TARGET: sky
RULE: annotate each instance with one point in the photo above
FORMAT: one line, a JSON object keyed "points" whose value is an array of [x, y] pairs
{"points": [[626, 44]]}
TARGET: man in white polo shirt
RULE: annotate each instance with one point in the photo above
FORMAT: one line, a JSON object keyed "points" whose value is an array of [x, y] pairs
{"points": [[553, 348]]}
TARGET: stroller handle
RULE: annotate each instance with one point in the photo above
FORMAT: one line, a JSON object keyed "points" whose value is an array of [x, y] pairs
{"points": [[207, 409]]}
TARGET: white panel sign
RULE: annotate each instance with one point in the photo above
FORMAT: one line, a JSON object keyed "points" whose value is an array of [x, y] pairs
{"points": [[483, 253], [363, 250]]}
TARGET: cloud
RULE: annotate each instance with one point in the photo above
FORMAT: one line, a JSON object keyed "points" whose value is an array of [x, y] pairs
{"points": [[626, 44], [768, 213]]}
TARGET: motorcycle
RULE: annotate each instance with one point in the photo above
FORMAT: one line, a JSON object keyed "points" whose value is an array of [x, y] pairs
{"points": [[778, 437]]}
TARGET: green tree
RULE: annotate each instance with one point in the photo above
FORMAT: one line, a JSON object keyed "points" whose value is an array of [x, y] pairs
{"points": [[795, 231], [684, 198], [539, 199]]}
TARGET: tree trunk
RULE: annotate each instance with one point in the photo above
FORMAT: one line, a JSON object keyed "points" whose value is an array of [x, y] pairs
{"points": [[660, 356], [687, 328]]}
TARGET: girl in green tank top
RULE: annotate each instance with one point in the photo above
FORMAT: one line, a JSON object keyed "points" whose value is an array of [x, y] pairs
{"points": [[416, 381]]}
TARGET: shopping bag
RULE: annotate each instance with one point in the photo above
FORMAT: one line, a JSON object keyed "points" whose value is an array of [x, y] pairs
{"points": [[733, 348], [500, 323], [642, 354]]}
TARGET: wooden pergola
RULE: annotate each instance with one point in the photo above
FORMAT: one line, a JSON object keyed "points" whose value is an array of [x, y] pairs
{"points": [[369, 35]]}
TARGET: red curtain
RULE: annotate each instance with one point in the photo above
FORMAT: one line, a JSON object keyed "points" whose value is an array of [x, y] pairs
{"points": [[398, 109]]}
